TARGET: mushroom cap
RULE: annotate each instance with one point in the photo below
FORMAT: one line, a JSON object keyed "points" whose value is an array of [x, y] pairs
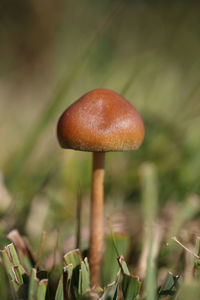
{"points": [[100, 121]]}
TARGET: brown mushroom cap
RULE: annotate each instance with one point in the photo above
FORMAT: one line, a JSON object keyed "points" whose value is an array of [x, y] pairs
{"points": [[100, 121]]}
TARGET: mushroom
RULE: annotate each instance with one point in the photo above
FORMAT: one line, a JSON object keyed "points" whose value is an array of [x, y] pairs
{"points": [[98, 122]]}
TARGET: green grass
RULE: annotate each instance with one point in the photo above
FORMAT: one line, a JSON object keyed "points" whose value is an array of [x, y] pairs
{"points": [[149, 53]]}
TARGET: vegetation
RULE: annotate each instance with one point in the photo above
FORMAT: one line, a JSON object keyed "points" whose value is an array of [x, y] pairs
{"points": [[52, 54]]}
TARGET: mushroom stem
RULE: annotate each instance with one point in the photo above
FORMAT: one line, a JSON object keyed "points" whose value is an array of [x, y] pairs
{"points": [[96, 217]]}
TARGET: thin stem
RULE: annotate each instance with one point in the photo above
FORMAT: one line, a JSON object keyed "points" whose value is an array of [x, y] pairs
{"points": [[96, 218], [78, 216]]}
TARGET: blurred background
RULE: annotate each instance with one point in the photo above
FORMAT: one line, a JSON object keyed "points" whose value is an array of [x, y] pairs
{"points": [[51, 53]]}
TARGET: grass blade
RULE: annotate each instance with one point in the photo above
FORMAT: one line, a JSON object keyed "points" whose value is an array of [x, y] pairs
{"points": [[169, 286], [123, 265], [13, 267], [110, 265], [130, 287], [33, 285], [42, 288], [84, 277], [25, 253], [73, 257], [37, 289], [60, 289], [148, 179], [130, 284], [111, 290]]}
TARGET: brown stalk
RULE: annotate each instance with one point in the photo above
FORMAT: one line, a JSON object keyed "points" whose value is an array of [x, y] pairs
{"points": [[96, 217]]}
